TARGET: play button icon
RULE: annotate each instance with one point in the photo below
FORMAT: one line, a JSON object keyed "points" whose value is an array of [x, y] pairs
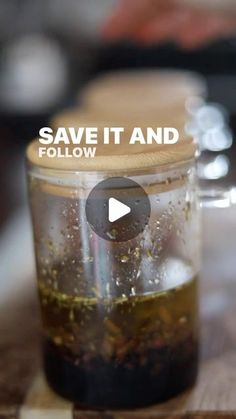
{"points": [[118, 209]]}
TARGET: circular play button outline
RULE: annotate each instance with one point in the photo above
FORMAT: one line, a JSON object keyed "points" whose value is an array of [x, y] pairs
{"points": [[118, 209]]}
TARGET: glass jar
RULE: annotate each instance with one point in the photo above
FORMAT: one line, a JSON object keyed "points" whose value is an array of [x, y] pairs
{"points": [[120, 320]]}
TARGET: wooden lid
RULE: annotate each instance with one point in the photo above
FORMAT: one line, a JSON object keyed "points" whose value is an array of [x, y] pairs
{"points": [[141, 91], [77, 117], [117, 158]]}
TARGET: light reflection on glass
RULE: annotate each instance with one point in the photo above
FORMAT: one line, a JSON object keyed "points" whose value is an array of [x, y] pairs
{"points": [[233, 195], [209, 125], [215, 199], [210, 117], [215, 169], [217, 140]]}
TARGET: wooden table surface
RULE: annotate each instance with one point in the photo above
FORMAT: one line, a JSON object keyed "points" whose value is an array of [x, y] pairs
{"points": [[25, 395]]}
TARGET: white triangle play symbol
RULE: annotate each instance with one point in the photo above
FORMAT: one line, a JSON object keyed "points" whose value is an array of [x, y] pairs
{"points": [[117, 210]]}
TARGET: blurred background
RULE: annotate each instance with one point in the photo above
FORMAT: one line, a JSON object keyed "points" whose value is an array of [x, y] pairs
{"points": [[49, 50]]}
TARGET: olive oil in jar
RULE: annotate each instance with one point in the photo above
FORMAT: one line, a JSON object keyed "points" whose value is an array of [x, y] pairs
{"points": [[123, 352]]}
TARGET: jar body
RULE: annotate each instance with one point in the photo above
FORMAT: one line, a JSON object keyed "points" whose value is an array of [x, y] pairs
{"points": [[120, 320]]}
